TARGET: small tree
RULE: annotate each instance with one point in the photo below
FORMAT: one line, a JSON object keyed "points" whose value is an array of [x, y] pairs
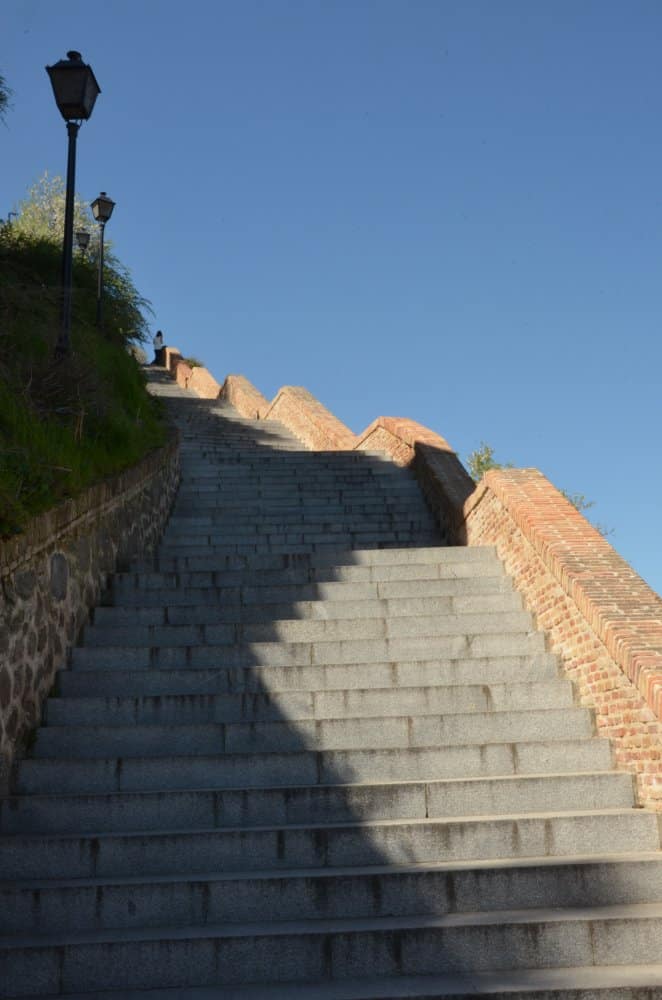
{"points": [[482, 460], [40, 216]]}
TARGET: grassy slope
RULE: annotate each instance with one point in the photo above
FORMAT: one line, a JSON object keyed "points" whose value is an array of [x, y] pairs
{"points": [[63, 426]]}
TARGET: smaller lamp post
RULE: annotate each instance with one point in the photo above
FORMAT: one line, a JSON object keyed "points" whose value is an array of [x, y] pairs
{"points": [[102, 209], [75, 90], [82, 240]]}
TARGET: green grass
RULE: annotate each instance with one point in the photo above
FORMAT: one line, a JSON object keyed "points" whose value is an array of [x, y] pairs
{"points": [[64, 426]]}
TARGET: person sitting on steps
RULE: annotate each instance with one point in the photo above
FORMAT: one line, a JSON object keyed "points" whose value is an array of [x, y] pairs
{"points": [[158, 349]]}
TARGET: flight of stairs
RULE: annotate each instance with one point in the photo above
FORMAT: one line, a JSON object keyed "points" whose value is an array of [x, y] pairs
{"points": [[307, 751]]}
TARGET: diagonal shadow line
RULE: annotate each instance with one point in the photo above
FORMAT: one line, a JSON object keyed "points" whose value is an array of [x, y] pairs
{"points": [[252, 822]]}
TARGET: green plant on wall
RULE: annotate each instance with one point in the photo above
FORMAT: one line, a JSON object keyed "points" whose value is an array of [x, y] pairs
{"points": [[482, 459]]}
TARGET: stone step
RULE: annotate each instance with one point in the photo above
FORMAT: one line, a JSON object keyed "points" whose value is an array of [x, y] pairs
{"points": [[199, 542], [597, 982], [306, 766], [301, 504], [332, 949], [208, 473], [320, 734], [280, 468], [294, 575], [292, 630], [340, 677], [286, 543], [233, 572], [47, 906], [244, 514], [164, 852], [266, 705], [428, 555], [230, 507], [389, 560], [338, 492], [374, 491], [387, 608], [283, 654], [124, 593], [254, 529], [198, 809], [239, 450]]}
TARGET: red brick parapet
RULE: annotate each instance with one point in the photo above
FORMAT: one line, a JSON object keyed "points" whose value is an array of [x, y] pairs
{"points": [[309, 420], [602, 619], [445, 481], [245, 398], [202, 383]]}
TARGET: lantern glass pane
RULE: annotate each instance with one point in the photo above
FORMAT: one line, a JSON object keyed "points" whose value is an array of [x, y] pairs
{"points": [[75, 88], [102, 208]]}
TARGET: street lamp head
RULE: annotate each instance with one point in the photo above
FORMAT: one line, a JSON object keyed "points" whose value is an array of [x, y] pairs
{"points": [[102, 208], [74, 86], [82, 239]]}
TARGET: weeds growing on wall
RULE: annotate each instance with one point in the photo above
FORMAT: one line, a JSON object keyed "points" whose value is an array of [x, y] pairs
{"points": [[65, 425]]}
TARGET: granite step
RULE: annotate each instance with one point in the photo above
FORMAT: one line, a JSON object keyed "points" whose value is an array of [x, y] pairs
{"points": [[295, 951]]}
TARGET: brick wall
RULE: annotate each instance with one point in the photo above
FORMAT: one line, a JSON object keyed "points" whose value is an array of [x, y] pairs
{"points": [[599, 616], [245, 398], [309, 420]]}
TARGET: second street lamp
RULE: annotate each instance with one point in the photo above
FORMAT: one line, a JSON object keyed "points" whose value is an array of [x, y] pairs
{"points": [[102, 209], [82, 240], [75, 89]]}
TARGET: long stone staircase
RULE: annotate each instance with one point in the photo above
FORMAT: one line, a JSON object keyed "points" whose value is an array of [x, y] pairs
{"points": [[309, 751]]}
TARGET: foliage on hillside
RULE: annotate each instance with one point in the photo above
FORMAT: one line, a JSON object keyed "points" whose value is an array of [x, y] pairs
{"points": [[65, 425]]}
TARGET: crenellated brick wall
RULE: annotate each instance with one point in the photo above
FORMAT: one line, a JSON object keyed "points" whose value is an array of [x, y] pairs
{"points": [[599, 616]]}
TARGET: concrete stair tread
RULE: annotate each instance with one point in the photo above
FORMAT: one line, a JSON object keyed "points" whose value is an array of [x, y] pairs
{"points": [[629, 911], [439, 729], [436, 821], [467, 698], [234, 574], [431, 794], [324, 677], [444, 606], [125, 595], [510, 753], [307, 651], [287, 874], [104, 681], [611, 982], [418, 555], [385, 626]]}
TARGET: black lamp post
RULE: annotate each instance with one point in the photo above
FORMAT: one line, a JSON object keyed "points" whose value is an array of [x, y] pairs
{"points": [[75, 89], [102, 209]]}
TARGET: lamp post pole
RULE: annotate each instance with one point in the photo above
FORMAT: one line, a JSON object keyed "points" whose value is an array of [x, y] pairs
{"points": [[102, 230], [75, 90], [102, 209], [62, 346]]}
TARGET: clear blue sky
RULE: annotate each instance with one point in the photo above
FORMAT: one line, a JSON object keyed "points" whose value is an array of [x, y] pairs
{"points": [[446, 210]]}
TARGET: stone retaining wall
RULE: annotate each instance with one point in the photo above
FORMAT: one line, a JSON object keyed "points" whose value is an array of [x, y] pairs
{"points": [[53, 573]]}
